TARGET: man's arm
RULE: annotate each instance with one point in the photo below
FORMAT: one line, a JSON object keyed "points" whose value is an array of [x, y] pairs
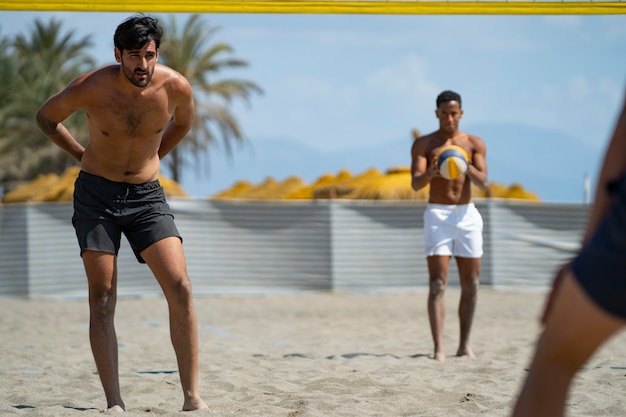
{"points": [[56, 109], [477, 169], [613, 166], [183, 118], [421, 172]]}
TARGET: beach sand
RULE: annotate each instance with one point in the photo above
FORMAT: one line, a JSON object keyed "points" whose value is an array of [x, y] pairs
{"points": [[306, 354]]}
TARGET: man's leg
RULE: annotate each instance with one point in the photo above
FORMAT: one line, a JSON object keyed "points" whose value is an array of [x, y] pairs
{"points": [[101, 269], [167, 261], [438, 280], [469, 271], [575, 328]]}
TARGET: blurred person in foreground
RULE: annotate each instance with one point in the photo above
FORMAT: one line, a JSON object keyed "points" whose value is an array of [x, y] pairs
{"points": [[137, 111], [452, 224], [587, 304]]}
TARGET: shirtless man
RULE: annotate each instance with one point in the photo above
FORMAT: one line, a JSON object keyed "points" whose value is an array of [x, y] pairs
{"points": [[137, 111], [452, 224], [587, 303]]}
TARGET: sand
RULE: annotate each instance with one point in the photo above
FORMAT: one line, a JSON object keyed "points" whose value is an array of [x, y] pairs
{"points": [[307, 354]]}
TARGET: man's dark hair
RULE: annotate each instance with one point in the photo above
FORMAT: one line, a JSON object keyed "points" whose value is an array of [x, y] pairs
{"points": [[447, 96], [136, 31]]}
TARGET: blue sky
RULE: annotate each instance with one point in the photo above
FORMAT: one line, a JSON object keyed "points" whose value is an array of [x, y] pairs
{"points": [[335, 82]]}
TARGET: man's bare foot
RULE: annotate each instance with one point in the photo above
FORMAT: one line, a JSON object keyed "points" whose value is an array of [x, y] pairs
{"points": [[114, 409], [195, 404], [466, 352], [439, 356]]}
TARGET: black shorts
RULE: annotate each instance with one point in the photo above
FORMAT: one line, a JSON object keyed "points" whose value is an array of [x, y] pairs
{"points": [[600, 267], [104, 209]]}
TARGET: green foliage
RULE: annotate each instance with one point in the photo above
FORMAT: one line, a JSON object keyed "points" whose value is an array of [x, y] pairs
{"points": [[34, 66], [188, 49], [41, 62]]}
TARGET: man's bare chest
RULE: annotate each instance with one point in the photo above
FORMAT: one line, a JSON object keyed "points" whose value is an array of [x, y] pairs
{"points": [[435, 147], [138, 118]]}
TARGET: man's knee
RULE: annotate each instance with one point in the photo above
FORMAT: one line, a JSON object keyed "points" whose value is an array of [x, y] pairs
{"points": [[437, 286], [179, 289], [470, 286], [102, 302], [558, 355]]}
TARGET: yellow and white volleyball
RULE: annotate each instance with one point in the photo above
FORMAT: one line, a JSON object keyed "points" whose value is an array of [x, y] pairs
{"points": [[452, 161]]}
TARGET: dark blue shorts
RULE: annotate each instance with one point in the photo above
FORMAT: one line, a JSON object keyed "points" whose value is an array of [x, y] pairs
{"points": [[600, 267], [104, 209]]}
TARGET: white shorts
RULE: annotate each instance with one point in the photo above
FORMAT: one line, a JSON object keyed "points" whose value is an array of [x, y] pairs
{"points": [[453, 230]]}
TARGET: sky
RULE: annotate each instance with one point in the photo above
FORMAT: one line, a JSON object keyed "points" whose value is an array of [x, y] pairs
{"points": [[336, 82]]}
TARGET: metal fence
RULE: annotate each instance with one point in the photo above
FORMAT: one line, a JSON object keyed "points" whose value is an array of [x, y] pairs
{"points": [[276, 246]]}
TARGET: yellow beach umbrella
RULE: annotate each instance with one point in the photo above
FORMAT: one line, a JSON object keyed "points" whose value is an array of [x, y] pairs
{"points": [[271, 189], [306, 192], [238, 189], [172, 188], [62, 189], [394, 185], [31, 189], [518, 192], [51, 187]]}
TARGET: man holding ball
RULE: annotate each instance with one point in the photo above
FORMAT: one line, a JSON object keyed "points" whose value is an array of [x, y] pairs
{"points": [[452, 224]]}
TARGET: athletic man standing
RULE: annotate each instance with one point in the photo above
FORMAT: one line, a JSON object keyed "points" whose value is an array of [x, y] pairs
{"points": [[452, 224], [137, 111], [587, 304]]}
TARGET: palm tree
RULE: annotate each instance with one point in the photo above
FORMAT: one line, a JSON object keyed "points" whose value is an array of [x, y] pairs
{"points": [[189, 52], [41, 63], [8, 81], [7, 78]]}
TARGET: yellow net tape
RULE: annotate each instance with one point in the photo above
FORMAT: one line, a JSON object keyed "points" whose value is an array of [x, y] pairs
{"points": [[323, 7]]}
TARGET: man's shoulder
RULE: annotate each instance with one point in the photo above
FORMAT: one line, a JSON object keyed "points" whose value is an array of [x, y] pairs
{"points": [[422, 143], [473, 136], [473, 142], [168, 73], [475, 139], [425, 139], [465, 137], [164, 69], [104, 71], [99, 74], [93, 81], [429, 137], [171, 78]]}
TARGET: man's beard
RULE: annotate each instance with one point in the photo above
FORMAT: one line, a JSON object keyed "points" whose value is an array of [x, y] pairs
{"points": [[135, 80]]}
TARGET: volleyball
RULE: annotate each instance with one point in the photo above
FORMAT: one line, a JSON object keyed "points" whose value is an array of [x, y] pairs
{"points": [[452, 162]]}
